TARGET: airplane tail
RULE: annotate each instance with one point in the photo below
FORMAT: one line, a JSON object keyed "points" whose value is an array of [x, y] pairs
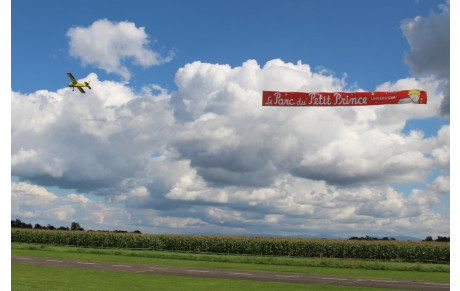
{"points": [[87, 84]]}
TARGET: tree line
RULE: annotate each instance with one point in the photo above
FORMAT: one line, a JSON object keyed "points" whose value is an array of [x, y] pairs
{"points": [[439, 239], [74, 226], [428, 238]]}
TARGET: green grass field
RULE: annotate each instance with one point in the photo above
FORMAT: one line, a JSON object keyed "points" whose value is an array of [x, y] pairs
{"points": [[354, 268], [26, 277]]}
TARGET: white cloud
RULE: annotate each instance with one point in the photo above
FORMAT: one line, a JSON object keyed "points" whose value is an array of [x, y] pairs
{"points": [[209, 157], [96, 140], [232, 140], [110, 45], [441, 184]]}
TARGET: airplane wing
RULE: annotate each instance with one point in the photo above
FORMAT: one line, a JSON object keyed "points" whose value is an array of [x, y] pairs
{"points": [[71, 77], [81, 90]]}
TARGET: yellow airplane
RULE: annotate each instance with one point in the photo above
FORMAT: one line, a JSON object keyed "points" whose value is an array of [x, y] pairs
{"points": [[79, 86]]}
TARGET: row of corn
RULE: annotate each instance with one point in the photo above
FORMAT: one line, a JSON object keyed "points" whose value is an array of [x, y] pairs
{"points": [[271, 246]]}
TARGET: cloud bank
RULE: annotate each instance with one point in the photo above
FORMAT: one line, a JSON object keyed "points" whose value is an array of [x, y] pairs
{"points": [[209, 158]]}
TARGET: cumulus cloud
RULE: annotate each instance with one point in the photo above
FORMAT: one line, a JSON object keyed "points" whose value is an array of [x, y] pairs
{"points": [[232, 140], [109, 46], [86, 142], [209, 158], [429, 39]]}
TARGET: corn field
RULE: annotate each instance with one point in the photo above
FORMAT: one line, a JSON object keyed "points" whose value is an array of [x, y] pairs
{"points": [[262, 246]]}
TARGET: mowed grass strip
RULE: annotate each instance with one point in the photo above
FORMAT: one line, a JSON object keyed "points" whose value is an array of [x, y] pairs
{"points": [[28, 277], [210, 261]]}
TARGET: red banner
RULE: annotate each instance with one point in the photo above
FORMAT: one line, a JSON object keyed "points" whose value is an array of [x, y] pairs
{"points": [[275, 98]]}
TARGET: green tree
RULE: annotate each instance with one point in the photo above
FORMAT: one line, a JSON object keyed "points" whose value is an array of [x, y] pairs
{"points": [[75, 226]]}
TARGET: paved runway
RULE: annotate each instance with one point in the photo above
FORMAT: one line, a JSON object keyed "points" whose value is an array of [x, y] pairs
{"points": [[235, 274]]}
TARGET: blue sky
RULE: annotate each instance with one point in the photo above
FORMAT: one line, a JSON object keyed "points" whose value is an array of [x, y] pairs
{"points": [[361, 39], [171, 138]]}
